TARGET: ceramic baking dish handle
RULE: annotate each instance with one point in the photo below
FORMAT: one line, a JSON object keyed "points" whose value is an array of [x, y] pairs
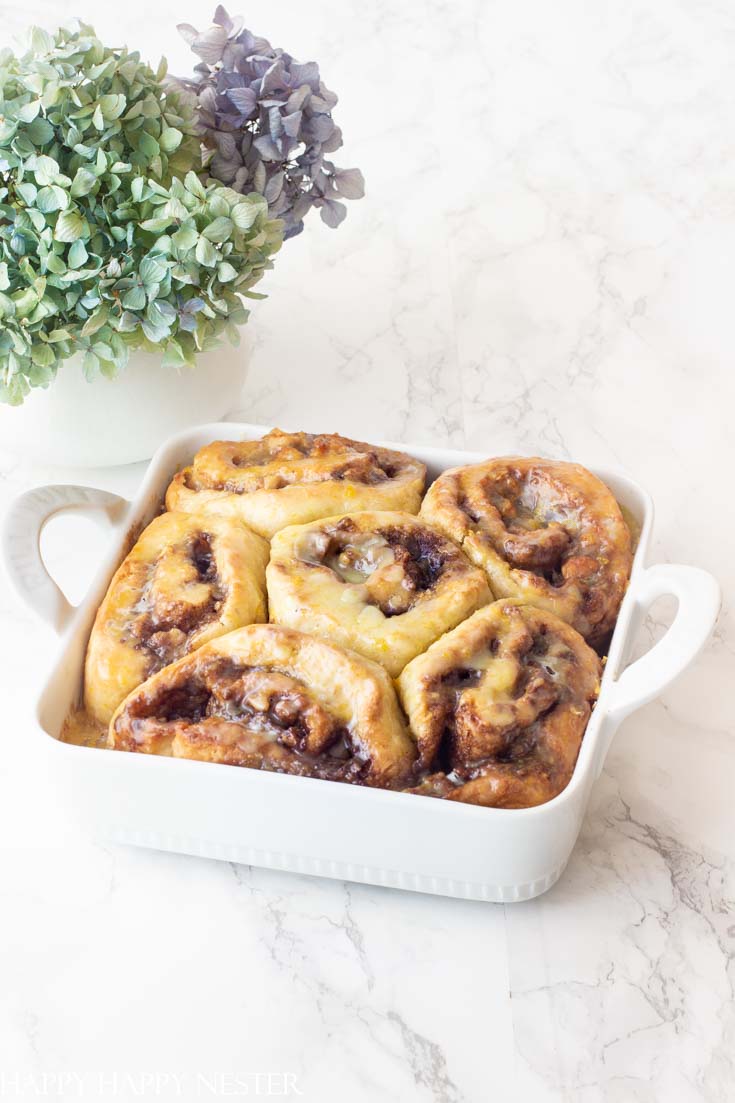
{"points": [[21, 547], [698, 595]]}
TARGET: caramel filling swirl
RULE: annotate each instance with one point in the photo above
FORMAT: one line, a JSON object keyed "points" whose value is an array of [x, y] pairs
{"points": [[252, 716], [281, 460], [188, 578], [544, 530], [268, 698], [534, 520], [392, 567], [181, 593]]}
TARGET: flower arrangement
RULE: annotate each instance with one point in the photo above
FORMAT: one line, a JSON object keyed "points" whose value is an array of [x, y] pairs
{"points": [[122, 225]]}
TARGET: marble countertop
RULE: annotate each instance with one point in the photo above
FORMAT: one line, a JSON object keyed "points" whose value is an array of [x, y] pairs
{"points": [[544, 263]]}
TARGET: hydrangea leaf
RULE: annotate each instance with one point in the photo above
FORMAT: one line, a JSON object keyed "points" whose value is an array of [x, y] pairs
{"points": [[206, 253], [170, 139], [244, 215], [219, 230], [112, 105], [96, 321], [161, 313], [332, 212], [41, 41], [27, 191], [108, 368], [52, 198], [185, 238], [153, 225], [350, 183], [77, 255], [69, 226], [43, 356], [175, 209], [154, 333], [134, 299], [28, 112], [151, 270], [148, 145], [45, 169], [128, 322], [225, 272], [194, 185], [40, 131], [83, 182], [174, 355]]}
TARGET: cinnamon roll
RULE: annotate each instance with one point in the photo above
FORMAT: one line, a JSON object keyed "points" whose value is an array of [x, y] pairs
{"points": [[384, 584], [290, 478], [272, 699], [499, 706], [190, 577], [546, 531]]}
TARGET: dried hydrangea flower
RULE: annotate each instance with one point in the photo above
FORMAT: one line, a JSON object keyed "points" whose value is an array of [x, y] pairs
{"points": [[103, 247], [267, 124]]}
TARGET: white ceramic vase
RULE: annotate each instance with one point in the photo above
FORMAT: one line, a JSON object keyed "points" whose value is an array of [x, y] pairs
{"points": [[73, 423]]}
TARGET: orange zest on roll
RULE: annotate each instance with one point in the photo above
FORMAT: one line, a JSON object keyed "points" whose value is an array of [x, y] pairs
{"points": [[384, 584]]}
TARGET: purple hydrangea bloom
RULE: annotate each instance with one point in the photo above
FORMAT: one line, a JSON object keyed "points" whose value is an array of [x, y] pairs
{"points": [[267, 124]]}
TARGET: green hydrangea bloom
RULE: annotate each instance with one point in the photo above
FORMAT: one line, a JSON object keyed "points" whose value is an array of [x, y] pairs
{"points": [[108, 239]]}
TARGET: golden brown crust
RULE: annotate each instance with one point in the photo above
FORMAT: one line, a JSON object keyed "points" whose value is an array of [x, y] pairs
{"points": [[383, 584], [499, 706], [546, 531], [189, 577], [274, 699], [291, 478]]}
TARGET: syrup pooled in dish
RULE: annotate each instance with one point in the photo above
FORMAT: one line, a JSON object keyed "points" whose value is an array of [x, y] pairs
{"points": [[270, 698], [190, 577], [291, 478], [499, 706], [383, 584], [546, 531], [80, 729]]}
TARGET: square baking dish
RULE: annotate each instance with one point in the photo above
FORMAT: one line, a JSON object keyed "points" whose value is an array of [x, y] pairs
{"points": [[320, 827]]}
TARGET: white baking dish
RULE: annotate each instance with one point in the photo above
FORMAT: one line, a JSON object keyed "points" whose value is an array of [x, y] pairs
{"points": [[322, 827]]}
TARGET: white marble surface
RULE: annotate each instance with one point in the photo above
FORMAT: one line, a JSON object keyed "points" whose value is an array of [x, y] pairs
{"points": [[545, 262]]}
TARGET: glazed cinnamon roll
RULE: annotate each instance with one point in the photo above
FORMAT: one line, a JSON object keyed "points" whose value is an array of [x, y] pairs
{"points": [[272, 699], [499, 706], [290, 478], [546, 531], [190, 577], [383, 584]]}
